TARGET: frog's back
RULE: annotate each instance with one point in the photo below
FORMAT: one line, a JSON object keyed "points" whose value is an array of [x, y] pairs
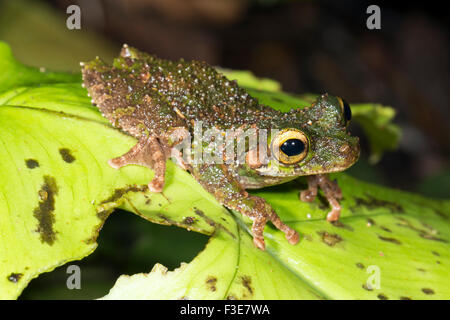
{"points": [[142, 92]]}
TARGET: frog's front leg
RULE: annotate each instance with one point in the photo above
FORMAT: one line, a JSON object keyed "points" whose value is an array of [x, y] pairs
{"points": [[331, 190], [147, 152], [217, 180]]}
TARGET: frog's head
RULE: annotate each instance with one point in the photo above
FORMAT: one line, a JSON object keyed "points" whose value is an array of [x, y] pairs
{"points": [[313, 140]]}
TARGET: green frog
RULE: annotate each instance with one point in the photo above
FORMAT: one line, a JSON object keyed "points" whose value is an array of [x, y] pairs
{"points": [[163, 103]]}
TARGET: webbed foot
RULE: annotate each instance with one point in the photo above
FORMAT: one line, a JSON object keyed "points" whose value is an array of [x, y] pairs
{"points": [[149, 153]]}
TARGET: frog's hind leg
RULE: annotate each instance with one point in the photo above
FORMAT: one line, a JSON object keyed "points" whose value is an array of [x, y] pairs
{"points": [[147, 152], [331, 190]]}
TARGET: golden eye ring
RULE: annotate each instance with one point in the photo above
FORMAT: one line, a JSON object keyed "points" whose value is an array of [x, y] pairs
{"points": [[346, 110], [290, 146]]}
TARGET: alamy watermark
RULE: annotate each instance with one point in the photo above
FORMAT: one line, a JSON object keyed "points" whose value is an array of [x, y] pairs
{"points": [[374, 20], [73, 21], [74, 279]]}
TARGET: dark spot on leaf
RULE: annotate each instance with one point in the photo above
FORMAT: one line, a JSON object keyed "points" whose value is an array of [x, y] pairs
{"points": [[421, 270], [118, 193], [435, 253], [382, 297], [428, 291], [148, 201], [371, 221], [104, 214], [360, 265], [438, 262], [429, 233], [339, 224], [405, 298], [440, 214], [31, 163], [167, 219], [392, 240], [189, 220], [277, 99], [329, 238], [66, 155], [231, 297], [431, 237], [211, 283], [366, 287], [385, 229], [373, 203], [246, 282], [212, 223], [15, 277], [44, 210]]}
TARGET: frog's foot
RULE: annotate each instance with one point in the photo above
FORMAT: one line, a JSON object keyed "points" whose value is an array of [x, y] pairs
{"points": [[331, 190], [148, 153], [260, 214]]}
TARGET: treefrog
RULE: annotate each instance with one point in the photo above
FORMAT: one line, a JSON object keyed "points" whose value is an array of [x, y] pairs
{"points": [[162, 102]]}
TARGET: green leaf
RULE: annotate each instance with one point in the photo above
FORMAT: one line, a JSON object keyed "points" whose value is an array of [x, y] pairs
{"points": [[402, 236], [15, 74], [57, 189]]}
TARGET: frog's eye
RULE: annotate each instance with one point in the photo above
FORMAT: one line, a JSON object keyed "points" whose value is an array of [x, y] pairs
{"points": [[346, 111], [290, 146]]}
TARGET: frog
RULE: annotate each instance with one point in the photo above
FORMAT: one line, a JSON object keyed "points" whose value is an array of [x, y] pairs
{"points": [[162, 102]]}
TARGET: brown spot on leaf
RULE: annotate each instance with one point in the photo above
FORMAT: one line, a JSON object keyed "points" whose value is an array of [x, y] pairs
{"points": [[392, 240], [405, 298], [189, 220], [435, 253], [373, 203], [339, 224], [382, 296], [66, 155], [429, 233], [360, 265], [329, 238], [44, 212], [385, 229], [212, 223], [366, 287], [211, 283], [15, 277], [246, 282], [118, 193], [31, 163], [167, 219], [428, 291]]}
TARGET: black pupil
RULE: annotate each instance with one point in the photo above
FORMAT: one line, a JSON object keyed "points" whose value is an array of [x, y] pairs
{"points": [[347, 111], [292, 147]]}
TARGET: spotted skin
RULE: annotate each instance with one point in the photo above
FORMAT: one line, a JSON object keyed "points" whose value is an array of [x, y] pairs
{"points": [[160, 102]]}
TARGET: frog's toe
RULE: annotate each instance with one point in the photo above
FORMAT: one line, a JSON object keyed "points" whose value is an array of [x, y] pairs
{"points": [[334, 214], [259, 243], [292, 237], [116, 163]]}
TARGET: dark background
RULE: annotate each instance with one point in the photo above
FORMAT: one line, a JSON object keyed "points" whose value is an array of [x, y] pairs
{"points": [[308, 46]]}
